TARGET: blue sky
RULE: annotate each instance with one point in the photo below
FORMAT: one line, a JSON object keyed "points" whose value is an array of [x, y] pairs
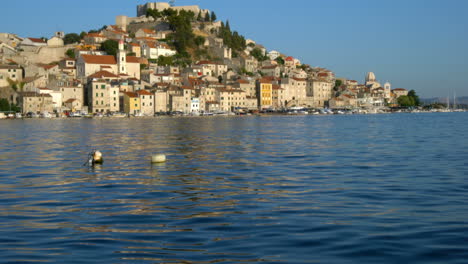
{"points": [[414, 44]]}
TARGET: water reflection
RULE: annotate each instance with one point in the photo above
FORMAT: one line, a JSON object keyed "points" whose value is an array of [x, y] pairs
{"points": [[234, 190]]}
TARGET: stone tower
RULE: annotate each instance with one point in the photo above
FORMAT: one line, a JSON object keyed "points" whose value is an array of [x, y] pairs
{"points": [[122, 58]]}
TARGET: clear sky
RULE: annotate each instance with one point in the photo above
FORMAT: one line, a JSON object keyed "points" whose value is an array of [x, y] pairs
{"points": [[414, 44]]}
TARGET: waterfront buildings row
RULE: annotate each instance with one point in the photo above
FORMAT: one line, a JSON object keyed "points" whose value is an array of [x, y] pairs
{"points": [[132, 81]]}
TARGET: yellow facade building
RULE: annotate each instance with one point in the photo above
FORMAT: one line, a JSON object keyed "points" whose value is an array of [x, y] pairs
{"points": [[132, 105]]}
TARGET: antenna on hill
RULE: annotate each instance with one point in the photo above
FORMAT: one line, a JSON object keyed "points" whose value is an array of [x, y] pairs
{"points": [[172, 2]]}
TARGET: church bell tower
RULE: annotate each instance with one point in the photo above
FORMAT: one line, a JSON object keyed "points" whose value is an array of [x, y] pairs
{"points": [[122, 58]]}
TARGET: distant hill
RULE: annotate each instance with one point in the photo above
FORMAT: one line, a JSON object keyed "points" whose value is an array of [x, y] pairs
{"points": [[443, 100]]}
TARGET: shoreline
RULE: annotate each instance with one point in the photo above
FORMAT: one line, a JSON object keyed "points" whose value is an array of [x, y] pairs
{"points": [[240, 115]]}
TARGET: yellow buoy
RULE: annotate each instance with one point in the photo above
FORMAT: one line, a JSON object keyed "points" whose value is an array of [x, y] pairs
{"points": [[97, 157], [158, 158]]}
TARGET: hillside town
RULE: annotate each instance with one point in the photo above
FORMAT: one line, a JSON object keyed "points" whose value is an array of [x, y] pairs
{"points": [[139, 67]]}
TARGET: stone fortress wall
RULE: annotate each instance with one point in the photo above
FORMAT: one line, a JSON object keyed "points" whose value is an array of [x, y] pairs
{"points": [[124, 21]]}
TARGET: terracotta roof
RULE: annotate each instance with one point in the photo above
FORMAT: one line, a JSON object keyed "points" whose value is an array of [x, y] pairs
{"points": [[185, 87], [134, 45], [47, 67], [131, 94], [132, 59], [99, 59], [290, 58], [400, 90], [37, 40], [299, 79], [71, 100], [147, 38], [323, 74], [242, 81], [148, 31], [102, 74], [144, 92], [95, 35], [205, 62], [32, 94]]}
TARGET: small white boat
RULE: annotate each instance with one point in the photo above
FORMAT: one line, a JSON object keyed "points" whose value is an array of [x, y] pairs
{"points": [[45, 115]]}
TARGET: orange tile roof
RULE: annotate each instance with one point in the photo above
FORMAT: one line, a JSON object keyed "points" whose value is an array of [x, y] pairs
{"points": [[131, 94], [95, 35], [148, 31], [299, 79], [269, 67], [144, 92], [37, 40], [71, 100], [99, 59], [102, 74], [132, 59], [205, 62]]}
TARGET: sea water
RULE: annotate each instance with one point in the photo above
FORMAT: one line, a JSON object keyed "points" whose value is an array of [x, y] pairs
{"points": [[254, 189]]}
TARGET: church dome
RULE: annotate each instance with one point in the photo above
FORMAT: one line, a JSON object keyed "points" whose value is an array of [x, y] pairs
{"points": [[370, 77]]}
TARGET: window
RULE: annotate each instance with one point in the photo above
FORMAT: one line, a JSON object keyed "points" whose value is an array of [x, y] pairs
{"points": [[102, 94], [97, 94], [136, 105], [103, 86], [97, 102]]}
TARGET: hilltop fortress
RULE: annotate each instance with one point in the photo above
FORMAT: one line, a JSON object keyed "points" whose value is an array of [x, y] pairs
{"points": [[141, 9], [124, 21]]}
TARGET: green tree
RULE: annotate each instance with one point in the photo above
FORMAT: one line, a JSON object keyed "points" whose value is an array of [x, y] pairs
{"points": [[154, 13], [165, 61], [415, 97], [83, 34], [110, 47], [4, 105], [213, 16], [199, 17], [199, 40], [71, 38], [70, 53], [207, 17], [280, 61], [405, 101], [258, 54], [338, 84]]}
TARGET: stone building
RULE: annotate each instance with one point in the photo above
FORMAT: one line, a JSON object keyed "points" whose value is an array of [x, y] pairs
{"points": [[36, 103]]}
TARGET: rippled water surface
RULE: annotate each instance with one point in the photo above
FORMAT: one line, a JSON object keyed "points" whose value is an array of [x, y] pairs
{"points": [[306, 189]]}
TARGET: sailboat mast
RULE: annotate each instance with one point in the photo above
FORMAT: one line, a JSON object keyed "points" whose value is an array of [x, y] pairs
{"points": [[454, 101]]}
